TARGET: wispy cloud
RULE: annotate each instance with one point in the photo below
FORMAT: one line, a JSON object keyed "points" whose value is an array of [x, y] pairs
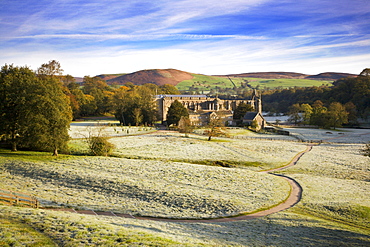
{"points": [[206, 36]]}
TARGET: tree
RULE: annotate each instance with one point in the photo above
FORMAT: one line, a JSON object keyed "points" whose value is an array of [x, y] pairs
{"points": [[294, 113], [19, 93], [307, 112], [336, 115], [55, 115], [146, 104], [34, 111], [175, 112], [99, 89], [352, 113], [168, 89], [185, 126], [51, 68], [318, 111], [240, 111], [365, 72], [216, 127], [134, 105], [137, 116], [254, 125]]}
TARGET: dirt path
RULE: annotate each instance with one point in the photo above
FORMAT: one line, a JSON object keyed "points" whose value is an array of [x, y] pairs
{"points": [[293, 198]]}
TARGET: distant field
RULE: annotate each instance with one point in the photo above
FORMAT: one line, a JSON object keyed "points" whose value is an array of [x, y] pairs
{"points": [[286, 83], [206, 83]]}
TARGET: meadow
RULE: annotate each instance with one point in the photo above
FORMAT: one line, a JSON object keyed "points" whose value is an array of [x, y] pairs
{"points": [[164, 174], [206, 83]]}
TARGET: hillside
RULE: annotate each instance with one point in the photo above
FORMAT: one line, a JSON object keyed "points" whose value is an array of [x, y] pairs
{"points": [[330, 76], [291, 75], [186, 81], [156, 76], [271, 75]]}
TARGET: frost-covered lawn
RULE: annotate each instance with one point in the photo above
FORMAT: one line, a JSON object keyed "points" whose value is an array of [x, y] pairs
{"points": [[145, 187], [334, 136], [262, 154], [336, 183], [107, 128], [281, 229], [15, 233], [334, 210]]}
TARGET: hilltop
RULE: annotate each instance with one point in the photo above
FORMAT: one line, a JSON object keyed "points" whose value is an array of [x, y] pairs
{"points": [[291, 75], [156, 76], [186, 80]]}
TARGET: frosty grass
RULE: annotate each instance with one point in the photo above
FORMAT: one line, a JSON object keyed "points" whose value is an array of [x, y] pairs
{"points": [[334, 177]]}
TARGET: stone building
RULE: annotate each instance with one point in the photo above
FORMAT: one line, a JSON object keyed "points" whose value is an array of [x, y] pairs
{"points": [[202, 107]]}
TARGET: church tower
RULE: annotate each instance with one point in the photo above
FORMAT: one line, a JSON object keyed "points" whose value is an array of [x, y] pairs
{"points": [[257, 101]]}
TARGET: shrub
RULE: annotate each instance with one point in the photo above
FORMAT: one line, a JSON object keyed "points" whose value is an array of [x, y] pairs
{"points": [[100, 146]]}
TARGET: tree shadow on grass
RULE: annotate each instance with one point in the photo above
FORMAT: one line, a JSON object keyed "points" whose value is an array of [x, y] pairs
{"points": [[281, 230]]}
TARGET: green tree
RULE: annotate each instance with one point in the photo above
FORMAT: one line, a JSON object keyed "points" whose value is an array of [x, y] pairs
{"points": [[52, 68], [34, 111], [175, 112], [318, 114], [88, 105], [254, 125], [147, 104], [138, 117], [19, 94], [119, 103], [294, 113], [336, 115], [307, 112], [99, 89], [240, 111], [352, 113], [55, 116], [365, 72], [168, 89], [134, 105]]}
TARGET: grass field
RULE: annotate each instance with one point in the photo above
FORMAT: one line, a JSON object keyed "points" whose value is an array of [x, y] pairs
{"points": [[334, 210], [336, 179], [206, 83]]}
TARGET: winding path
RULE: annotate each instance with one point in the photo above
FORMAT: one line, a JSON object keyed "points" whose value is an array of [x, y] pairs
{"points": [[293, 198]]}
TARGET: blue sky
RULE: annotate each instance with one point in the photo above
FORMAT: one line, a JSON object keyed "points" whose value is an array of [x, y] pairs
{"points": [[92, 37]]}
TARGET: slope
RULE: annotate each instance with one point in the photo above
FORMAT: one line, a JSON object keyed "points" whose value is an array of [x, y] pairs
{"points": [[156, 76]]}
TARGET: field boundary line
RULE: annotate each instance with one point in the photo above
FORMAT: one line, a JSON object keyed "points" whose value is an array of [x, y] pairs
{"points": [[18, 199]]}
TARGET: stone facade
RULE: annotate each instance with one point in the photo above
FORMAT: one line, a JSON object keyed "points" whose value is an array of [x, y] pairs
{"points": [[202, 107]]}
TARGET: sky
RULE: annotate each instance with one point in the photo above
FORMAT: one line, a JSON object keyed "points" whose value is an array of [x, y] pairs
{"points": [[212, 37]]}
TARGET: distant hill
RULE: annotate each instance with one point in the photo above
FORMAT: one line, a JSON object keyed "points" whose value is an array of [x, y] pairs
{"points": [[291, 75], [330, 76], [107, 77], [202, 83], [156, 76], [271, 75]]}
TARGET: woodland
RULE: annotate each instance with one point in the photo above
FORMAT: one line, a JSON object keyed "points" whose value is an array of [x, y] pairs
{"points": [[37, 106]]}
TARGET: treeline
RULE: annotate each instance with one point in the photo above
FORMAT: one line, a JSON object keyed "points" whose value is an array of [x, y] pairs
{"points": [[333, 116], [350, 91], [36, 107], [131, 104]]}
